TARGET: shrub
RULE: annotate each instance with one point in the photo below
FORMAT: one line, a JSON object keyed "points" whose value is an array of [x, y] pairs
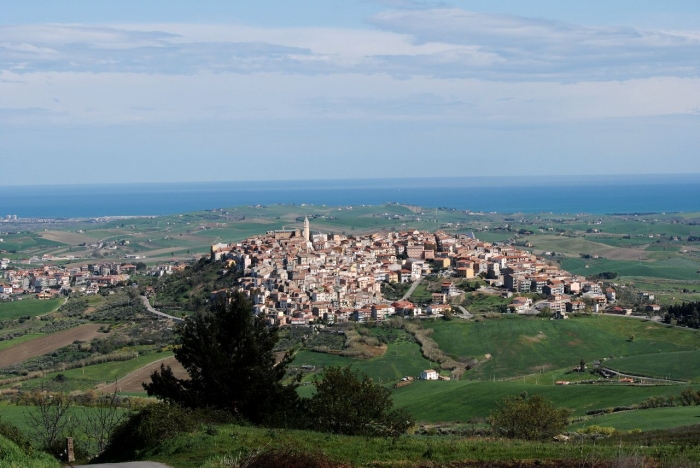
{"points": [[15, 435], [533, 418], [598, 430], [275, 458], [344, 403], [148, 427]]}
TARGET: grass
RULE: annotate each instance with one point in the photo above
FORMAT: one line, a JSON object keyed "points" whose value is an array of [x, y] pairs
{"points": [[218, 448], [646, 420], [682, 365], [520, 346], [12, 456], [27, 307], [421, 295], [90, 376], [459, 401], [402, 358], [21, 339], [674, 268], [16, 414]]}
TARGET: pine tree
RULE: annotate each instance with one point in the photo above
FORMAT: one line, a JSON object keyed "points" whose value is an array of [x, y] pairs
{"points": [[228, 354]]}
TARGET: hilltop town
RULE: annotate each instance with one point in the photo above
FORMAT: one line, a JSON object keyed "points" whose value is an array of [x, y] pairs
{"points": [[296, 278]]}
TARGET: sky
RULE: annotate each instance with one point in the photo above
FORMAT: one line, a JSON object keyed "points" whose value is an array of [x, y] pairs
{"points": [[183, 91]]}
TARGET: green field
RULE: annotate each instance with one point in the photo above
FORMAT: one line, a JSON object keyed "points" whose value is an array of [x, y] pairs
{"points": [[17, 414], [682, 365], [403, 358], [646, 420], [437, 401], [230, 442], [88, 377], [673, 268], [27, 307], [20, 339], [520, 345]]}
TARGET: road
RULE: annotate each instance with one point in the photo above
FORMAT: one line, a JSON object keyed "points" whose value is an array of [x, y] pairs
{"points": [[465, 312], [641, 377], [150, 308], [412, 288]]}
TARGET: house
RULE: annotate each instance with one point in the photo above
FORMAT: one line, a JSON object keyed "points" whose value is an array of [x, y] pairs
{"points": [[610, 294], [429, 375], [575, 306], [463, 272], [434, 309], [521, 305], [653, 308], [619, 311], [442, 262], [439, 298], [381, 311], [449, 288]]}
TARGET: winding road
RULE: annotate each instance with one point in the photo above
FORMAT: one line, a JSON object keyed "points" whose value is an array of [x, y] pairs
{"points": [[150, 308]]}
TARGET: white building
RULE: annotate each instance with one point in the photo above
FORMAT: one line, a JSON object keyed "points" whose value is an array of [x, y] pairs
{"points": [[429, 375]]}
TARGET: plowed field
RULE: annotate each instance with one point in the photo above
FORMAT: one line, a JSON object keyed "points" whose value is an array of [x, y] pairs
{"points": [[48, 343], [132, 382]]}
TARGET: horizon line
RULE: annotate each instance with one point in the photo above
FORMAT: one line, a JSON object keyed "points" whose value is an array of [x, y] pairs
{"points": [[471, 178]]}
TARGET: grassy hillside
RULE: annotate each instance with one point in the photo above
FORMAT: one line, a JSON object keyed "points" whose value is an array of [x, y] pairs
{"points": [[520, 345], [646, 420], [27, 307], [437, 401], [12, 456], [88, 377], [681, 365], [220, 446], [402, 358]]}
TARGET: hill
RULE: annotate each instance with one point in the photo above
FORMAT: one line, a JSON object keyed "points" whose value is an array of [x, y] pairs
{"points": [[527, 345]]}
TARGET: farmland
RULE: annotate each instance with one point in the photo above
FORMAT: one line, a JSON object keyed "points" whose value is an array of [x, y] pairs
{"points": [[513, 354], [462, 400], [47, 344], [27, 308], [646, 420], [683, 365], [520, 346]]}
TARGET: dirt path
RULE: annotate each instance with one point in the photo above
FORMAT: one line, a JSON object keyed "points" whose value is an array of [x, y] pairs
{"points": [[412, 288], [133, 382], [48, 343]]}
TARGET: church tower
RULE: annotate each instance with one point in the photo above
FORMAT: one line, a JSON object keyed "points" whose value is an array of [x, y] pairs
{"points": [[307, 230]]}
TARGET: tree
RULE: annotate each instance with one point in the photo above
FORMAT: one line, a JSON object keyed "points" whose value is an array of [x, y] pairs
{"points": [[228, 354], [50, 421], [344, 403], [534, 418], [101, 420]]}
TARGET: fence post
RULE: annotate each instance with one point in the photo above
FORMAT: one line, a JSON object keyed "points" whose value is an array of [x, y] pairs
{"points": [[70, 456]]}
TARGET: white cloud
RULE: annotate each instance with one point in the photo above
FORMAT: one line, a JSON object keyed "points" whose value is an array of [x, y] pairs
{"points": [[542, 49], [437, 42], [418, 64]]}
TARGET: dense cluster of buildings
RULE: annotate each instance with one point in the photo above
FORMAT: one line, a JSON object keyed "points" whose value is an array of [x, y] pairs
{"points": [[294, 277], [49, 281]]}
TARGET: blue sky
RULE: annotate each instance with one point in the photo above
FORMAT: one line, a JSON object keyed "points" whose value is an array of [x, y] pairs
{"points": [[133, 91]]}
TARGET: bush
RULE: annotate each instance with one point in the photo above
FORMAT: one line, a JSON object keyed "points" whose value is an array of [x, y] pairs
{"points": [[598, 430], [147, 428], [15, 435], [275, 458], [344, 403], [534, 418]]}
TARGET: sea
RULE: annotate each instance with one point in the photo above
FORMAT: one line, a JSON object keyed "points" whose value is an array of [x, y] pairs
{"points": [[608, 194]]}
